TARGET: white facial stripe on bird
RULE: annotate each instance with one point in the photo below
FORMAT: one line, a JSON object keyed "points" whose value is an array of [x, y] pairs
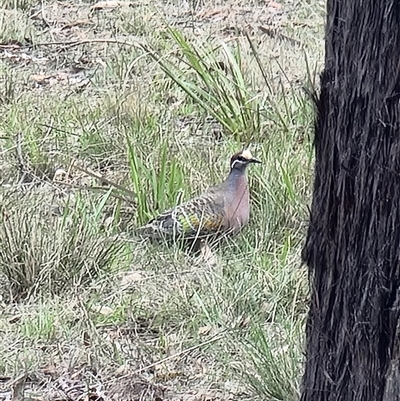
{"points": [[238, 161]]}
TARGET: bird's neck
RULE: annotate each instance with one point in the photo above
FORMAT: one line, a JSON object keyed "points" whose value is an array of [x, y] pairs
{"points": [[236, 178]]}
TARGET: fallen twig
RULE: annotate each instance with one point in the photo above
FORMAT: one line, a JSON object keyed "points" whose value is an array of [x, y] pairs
{"points": [[80, 42], [217, 337]]}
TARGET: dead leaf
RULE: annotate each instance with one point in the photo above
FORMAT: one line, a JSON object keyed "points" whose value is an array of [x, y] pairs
{"points": [[60, 175], [204, 330], [207, 255], [49, 370], [78, 22], [268, 30], [18, 57], [121, 370], [131, 277], [275, 5], [215, 14], [77, 373], [11, 44], [86, 339], [69, 78], [244, 321], [103, 310], [110, 4], [14, 319], [18, 388], [40, 78]]}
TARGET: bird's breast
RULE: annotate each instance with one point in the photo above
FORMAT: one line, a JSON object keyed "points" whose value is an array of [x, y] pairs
{"points": [[238, 209]]}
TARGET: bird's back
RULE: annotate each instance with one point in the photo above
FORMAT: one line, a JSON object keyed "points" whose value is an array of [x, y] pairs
{"points": [[201, 216]]}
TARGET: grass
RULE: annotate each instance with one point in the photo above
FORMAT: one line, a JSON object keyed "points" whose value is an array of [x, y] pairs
{"points": [[97, 138]]}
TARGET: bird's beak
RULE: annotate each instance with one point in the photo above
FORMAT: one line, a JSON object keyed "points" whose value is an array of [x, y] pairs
{"points": [[254, 160]]}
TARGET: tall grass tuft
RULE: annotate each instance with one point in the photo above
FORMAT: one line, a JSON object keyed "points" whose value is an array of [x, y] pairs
{"points": [[275, 356], [42, 253], [214, 79], [156, 187]]}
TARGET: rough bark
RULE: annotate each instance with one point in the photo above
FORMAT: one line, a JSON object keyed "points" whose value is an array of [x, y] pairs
{"points": [[353, 241]]}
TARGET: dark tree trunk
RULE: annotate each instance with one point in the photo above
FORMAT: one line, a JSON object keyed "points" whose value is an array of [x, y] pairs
{"points": [[353, 241]]}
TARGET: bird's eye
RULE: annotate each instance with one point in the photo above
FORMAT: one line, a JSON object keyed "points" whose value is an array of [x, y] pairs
{"points": [[242, 159]]}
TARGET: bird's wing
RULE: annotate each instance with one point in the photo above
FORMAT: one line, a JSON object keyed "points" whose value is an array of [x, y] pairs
{"points": [[197, 217]]}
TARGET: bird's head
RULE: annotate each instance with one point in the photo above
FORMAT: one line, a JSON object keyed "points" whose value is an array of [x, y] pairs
{"points": [[240, 160]]}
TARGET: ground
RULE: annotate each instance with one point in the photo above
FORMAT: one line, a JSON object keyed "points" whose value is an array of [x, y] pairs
{"points": [[111, 112]]}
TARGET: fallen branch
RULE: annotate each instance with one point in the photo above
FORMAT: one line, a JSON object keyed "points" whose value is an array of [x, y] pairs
{"points": [[81, 42]]}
